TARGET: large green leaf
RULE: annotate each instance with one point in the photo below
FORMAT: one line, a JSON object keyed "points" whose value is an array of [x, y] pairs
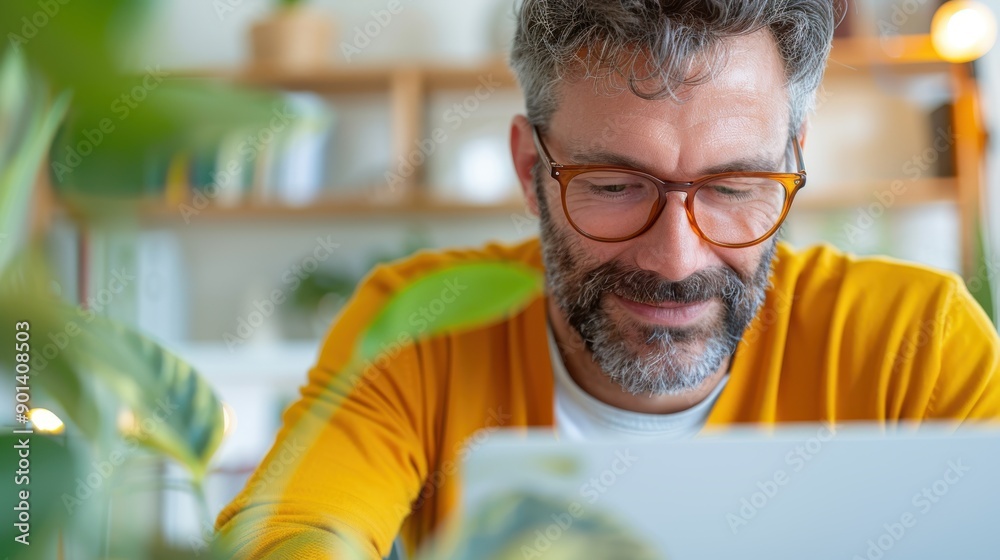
{"points": [[92, 366], [53, 328], [450, 299], [176, 410]]}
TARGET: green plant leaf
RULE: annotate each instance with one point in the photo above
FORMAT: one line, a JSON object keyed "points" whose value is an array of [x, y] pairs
{"points": [[54, 465], [178, 116], [502, 527], [53, 370], [91, 366], [176, 411], [128, 120], [27, 127], [83, 361], [981, 283], [451, 299]]}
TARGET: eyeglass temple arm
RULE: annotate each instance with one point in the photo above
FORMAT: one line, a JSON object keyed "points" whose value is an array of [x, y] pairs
{"points": [[798, 154], [542, 149]]}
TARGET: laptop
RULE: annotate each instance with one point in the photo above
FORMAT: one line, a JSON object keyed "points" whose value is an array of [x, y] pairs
{"points": [[795, 492]]}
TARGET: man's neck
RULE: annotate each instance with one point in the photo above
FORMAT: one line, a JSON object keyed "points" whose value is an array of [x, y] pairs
{"points": [[588, 375]]}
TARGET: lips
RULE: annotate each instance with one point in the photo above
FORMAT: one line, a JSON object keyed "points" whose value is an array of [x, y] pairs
{"points": [[667, 313], [664, 304]]}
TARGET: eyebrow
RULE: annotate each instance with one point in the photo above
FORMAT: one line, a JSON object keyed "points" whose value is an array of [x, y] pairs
{"points": [[750, 164]]}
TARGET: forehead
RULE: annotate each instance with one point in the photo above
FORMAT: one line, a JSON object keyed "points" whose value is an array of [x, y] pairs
{"points": [[744, 96]]}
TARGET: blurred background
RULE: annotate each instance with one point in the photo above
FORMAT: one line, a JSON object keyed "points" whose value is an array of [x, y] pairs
{"points": [[386, 131]]}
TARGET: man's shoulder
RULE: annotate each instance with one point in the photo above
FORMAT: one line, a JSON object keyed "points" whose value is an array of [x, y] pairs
{"points": [[823, 271], [875, 338]]}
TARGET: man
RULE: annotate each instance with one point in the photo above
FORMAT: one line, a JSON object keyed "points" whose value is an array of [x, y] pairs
{"points": [[670, 304]]}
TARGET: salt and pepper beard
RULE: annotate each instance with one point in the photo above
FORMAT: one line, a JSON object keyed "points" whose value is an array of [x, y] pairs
{"points": [[648, 359]]}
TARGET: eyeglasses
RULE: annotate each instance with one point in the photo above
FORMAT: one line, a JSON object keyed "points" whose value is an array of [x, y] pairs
{"points": [[733, 210]]}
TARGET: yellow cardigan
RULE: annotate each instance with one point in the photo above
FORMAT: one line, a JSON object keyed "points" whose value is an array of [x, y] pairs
{"points": [[838, 339]]}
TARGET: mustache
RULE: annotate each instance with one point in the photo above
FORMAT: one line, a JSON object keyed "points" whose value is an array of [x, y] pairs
{"points": [[647, 287]]}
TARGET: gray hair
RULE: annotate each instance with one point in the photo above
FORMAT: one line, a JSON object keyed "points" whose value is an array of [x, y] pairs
{"points": [[656, 41]]}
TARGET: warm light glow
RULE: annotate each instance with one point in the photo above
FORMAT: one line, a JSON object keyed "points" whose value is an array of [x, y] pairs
{"points": [[126, 422], [963, 30], [44, 420], [228, 419]]}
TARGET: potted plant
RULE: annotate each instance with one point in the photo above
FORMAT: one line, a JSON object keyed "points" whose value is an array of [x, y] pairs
{"points": [[293, 38], [118, 407], [126, 407]]}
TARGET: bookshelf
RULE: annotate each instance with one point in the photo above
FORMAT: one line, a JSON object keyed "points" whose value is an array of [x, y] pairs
{"points": [[408, 90]]}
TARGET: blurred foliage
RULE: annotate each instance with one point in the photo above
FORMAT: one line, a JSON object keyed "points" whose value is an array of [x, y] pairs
{"points": [[28, 120], [71, 48], [323, 282], [87, 366], [529, 525], [98, 367], [479, 293], [65, 62], [123, 118], [320, 284], [53, 463], [981, 283], [469, 295]]}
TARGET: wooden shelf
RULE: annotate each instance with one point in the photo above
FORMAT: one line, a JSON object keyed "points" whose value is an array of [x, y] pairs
{"points": [[866, 52], [160, 212], [362, 79]]}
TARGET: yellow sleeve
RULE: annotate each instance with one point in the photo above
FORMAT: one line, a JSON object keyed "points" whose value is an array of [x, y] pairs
{"points": [[968, 384], [350, 457]]}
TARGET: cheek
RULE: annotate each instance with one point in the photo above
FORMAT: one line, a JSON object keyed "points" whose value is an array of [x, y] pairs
{"points": [[743, 261], [607, 252], [591, 254]]}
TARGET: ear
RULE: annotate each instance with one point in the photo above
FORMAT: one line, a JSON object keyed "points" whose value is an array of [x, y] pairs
{"points": [[803, 130], [522, 150]]}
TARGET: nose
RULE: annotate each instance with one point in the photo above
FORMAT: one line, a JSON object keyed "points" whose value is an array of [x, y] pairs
{"points": [[671, 247]]}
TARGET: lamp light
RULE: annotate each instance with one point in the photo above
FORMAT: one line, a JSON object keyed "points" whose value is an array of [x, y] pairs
{"points": [[962, 30], [44, 420]]}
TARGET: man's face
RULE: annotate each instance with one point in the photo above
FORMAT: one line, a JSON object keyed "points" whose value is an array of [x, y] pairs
{"points": [[660, 313]]}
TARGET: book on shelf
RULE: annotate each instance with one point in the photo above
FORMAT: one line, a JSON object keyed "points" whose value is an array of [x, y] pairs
{"points": [[283, 162]]}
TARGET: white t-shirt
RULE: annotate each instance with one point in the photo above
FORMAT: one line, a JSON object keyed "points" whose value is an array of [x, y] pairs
{"points": [[580, 416]]}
